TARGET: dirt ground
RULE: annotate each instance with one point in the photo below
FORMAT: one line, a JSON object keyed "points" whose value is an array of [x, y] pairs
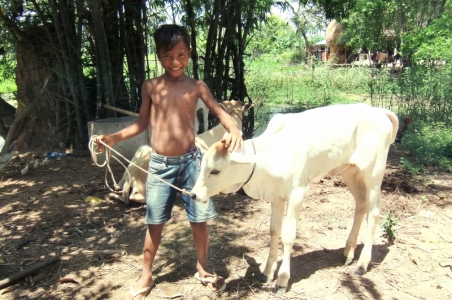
{"points": [[44, 214]]}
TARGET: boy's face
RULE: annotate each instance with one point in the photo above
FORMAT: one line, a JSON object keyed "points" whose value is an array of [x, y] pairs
{"points": [[175, 60]]}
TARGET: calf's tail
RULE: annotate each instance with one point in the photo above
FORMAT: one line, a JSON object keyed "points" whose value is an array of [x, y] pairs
{"points": [[395, 123]]}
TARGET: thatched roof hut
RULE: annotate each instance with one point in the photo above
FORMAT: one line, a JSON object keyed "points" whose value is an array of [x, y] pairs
{"points": [[334, 32]]}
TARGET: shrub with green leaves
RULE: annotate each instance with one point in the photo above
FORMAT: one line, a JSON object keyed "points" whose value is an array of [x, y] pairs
{"points": [[388, 224], [430, 144], [7, 75], [411, 168]]}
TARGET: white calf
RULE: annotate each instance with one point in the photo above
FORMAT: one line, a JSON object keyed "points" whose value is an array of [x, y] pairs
{"points": [[133, 182], [348, 140]]}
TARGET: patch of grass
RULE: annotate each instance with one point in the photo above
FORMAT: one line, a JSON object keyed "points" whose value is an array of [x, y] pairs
{"points": [[277, 80]]}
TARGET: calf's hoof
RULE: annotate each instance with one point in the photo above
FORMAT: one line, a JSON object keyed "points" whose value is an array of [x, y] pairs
{"points": [[280, 290], [360, 271], [274, 288], [348, 261]]}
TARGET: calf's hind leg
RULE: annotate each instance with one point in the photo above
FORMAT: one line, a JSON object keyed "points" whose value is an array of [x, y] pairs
{"points": [[373, 216], [365, 188], [352, 177]]}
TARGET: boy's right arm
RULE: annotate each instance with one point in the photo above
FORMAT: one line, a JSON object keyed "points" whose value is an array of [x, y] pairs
{"points": [[140, 125]]}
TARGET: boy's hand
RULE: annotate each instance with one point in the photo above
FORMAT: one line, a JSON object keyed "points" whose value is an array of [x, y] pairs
{"points": [[233, 141], [106, 138]]}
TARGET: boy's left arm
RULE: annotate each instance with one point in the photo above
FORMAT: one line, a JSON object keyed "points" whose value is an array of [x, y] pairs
{"points": [[233, 140]]}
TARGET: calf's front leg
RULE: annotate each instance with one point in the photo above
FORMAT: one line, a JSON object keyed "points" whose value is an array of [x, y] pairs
{"points": [[288, 236], [277, 214]]}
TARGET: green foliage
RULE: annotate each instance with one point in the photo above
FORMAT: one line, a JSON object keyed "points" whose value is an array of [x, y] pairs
{"points": [[275, 37], [430, 145], [380, 24], [316, 38], [7, 75], [432, 42], [335, 8], [411, 168], [275, 80], [422, 93], [388, 224], [365, 25]]}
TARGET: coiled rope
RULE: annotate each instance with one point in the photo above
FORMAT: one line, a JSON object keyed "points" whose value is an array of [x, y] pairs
{"points": [[106, 163]]}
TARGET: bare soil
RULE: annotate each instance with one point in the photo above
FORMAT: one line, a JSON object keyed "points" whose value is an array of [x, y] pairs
{"points": [[43, 214]]}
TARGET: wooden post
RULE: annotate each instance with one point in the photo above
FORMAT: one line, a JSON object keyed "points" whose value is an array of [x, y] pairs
{"points": [[123, 111], [15, 277]]}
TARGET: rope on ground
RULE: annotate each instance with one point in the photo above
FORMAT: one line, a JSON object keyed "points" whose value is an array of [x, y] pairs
{"points": [[106, 163]]}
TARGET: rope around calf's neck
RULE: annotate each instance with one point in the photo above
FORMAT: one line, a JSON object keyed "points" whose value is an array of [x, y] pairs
{"points": [[108, 150]]}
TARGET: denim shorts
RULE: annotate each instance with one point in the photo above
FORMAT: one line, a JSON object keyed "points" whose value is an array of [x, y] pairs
{"points": [[181, 171]]}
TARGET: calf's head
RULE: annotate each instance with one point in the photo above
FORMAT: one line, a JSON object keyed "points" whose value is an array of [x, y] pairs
{"points": [[222, 172]]}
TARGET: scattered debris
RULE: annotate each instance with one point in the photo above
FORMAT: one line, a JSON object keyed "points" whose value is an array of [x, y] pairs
{"points": [[67, 280], [24, 170], [446, 264], [108, 252], [93, 200]]}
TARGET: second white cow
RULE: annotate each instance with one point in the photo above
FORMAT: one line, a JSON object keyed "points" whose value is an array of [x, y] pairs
{"points": [[347, 140], [133, 181], [205, 116]]}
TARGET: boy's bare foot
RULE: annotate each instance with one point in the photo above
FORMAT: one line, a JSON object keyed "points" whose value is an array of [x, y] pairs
{"points": [[140, 291]]}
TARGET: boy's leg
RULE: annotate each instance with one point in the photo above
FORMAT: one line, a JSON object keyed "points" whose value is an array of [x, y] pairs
{"points": [[198, 214], [151, 245], [201, 240], [159, 203]]}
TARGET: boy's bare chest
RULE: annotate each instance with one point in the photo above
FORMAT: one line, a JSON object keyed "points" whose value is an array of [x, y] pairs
{"points": [[170, 99]]}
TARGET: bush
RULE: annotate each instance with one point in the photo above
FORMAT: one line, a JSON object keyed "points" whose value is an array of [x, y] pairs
{"points": [[430, 144]]}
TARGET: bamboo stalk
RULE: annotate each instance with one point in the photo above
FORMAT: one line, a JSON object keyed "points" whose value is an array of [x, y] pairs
{"points": [[67, 66]]}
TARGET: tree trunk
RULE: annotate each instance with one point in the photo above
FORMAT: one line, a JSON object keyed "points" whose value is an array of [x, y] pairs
{"points": [[34, 64]]}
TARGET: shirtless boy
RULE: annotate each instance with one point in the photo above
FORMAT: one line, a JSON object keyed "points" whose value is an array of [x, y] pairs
{"points": [[169, 103]]}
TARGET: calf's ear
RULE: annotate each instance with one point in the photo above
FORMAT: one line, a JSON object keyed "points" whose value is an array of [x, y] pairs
{"points": [[240, 158]]}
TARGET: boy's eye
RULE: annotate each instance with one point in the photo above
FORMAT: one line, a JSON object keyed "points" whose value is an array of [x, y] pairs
{"points": [[215, 172]]}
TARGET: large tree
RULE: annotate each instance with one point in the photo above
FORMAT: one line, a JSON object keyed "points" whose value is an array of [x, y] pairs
{"points": [[70, 60], [381, 24]]}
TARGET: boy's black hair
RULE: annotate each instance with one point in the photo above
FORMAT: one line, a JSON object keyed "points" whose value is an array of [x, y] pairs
{"points": [[167, 36]]}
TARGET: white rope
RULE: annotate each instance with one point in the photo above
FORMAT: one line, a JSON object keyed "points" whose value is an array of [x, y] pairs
{"points": [[108, 150]]}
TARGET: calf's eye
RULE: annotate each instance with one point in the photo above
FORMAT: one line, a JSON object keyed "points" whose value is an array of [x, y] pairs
{"points": [[215, 172]]}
